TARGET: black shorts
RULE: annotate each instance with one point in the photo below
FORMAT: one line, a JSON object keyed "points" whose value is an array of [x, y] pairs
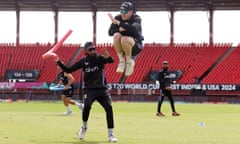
{"points": [[137, 48], [68, 92]]}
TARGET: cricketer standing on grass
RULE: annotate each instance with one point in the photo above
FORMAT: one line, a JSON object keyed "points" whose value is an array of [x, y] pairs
{"points": [[126, 30], [95, 86], [67, 80], [165, 81]]}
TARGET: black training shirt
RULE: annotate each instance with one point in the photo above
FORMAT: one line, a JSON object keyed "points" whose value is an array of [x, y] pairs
{"points": [[93, 68], [164, 79], [133, 27]]}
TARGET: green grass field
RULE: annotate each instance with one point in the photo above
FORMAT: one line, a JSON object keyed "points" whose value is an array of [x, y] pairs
{"points": [[135, 123]]}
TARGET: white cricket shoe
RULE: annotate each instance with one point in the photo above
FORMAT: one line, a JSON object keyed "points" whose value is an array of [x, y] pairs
{"points": [[121, 66], [82, 132], [68, 113], [129, 67], [112, 138]]}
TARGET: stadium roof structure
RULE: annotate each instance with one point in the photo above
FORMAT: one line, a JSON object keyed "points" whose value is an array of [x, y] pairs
{"points": [[95, 6], [113, 5]]}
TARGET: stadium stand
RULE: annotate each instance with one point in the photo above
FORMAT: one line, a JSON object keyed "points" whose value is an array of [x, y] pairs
{"points": [[146, 59], [49, 71], [192, 59], [26, 57], [203, 59], [227, 71], [112, 76], [5, 55]]}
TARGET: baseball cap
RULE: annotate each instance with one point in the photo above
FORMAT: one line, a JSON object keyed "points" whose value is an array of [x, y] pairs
{"points": [[165, 62], [125, 7], [87, 44]]}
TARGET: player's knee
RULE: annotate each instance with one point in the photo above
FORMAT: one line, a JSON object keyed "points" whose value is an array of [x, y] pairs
{"points": [[117, 36], [68, 100], [127, 41]]}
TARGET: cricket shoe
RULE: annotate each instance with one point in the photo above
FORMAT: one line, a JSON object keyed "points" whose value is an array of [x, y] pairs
{"points": [[81, 133], [121, 66], [160, 114], [68, 113], [112, 138], [175, 114]]}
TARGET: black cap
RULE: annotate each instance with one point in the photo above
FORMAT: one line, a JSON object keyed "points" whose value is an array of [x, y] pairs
{"points": [[125, 7], [87, 44], [165, 62]]}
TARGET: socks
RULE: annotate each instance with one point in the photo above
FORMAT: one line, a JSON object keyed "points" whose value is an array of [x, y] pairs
{"points": [[128, 58], [120, 56], [110, 132], [84, 124], [68, 108]]}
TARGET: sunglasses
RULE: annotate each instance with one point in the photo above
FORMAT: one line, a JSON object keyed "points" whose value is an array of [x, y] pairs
{"points": [[91, 49]]}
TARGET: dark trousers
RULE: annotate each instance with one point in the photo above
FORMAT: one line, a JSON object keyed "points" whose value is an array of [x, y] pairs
{"points": [[104, 98], [164, 93]]}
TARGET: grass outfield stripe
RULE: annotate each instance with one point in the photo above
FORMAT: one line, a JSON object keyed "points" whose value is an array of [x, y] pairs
{"points": [[135, 123]]}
